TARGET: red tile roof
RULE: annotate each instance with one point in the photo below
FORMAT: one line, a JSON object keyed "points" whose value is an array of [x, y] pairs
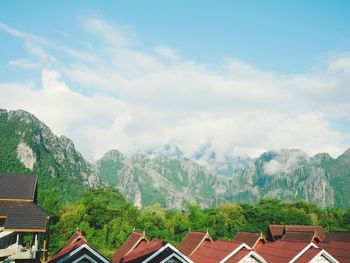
{"points": [[277, 231], [340, 250], [144, 249], [131, 243], [306, 236], [339, 236], [238, 256], [192, 242], [281, 251], [318, 229], [308, 255], [251, 239], [213, 252], [75, 241]]}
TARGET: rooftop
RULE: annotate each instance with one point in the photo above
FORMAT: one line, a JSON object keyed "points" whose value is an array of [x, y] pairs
{"points": [[281, 251], [192, 242], [143, 250], [214, 252], [131, 243], [340, 250], [248, 238], [19, 187], [338, 236]]}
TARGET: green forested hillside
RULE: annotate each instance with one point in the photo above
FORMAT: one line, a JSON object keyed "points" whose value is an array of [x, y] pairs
{"points": [[28, 146]]}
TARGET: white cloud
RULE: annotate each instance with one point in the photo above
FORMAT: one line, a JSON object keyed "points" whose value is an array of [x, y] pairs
{"points": [[167, 52], [24, 63], [126, 98]]}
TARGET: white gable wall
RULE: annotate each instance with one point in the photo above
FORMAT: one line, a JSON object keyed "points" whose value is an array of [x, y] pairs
{"points": [[249, 259], [320, 259]]}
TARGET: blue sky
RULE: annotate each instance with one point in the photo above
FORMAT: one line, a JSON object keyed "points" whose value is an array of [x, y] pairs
{"points": [[201, 64]]}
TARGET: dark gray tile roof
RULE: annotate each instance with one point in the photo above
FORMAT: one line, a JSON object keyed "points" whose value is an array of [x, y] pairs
{"points": [[17, 186], [23, 216]]}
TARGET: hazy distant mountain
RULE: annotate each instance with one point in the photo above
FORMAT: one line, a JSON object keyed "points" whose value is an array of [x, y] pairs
{"points": [[169, 179], [165, 175]]}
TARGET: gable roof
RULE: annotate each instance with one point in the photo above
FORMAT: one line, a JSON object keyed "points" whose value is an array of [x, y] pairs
{"points": [[306, 236], [320, 233], [338, 249], [131, 243], [282, 251], [76, 243], [166, 253], [23, 216], [277, 231], [338, 236], [245, 255], [193, 241], [18, 187], [214, 252], [314, 253], [251, 239], [143, 250]]}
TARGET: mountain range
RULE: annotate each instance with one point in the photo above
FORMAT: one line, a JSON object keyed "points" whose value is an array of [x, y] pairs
{"points": [[165, 175]]}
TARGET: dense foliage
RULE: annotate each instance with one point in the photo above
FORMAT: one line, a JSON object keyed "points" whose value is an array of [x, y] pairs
{"points": [[107, 219]]}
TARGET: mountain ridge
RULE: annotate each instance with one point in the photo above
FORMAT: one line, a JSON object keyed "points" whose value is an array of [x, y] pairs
{"points": [[168, 177]]}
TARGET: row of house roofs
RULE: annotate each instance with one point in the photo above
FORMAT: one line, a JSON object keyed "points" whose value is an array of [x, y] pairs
{"points": [[20, 216], [299, 244]]}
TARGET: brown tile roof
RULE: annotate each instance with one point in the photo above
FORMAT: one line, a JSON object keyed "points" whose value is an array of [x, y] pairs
{"points": [[143, 250], [251, 239], [192, 242], [131, 243], [340, 250], [25, 216], [277, 231], [213, 252], [338, 236], [306, 236], [281, 251], [18, 186]]}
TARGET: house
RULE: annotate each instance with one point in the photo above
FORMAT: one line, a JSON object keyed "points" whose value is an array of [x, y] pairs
{"points": [[192, 241], [276, 232], [134, 240], [283, 251], [253, 240], [23, 225], [137, 248], [338, 245], [143, 251], [77, 249], [226, 251], [168, 254]]}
